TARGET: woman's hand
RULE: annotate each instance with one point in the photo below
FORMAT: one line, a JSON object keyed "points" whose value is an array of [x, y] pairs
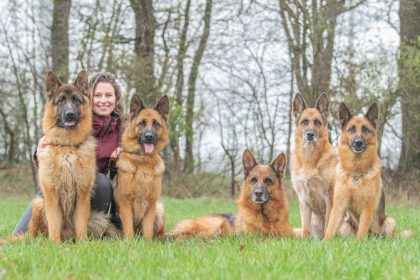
{"points": [[116, 153], [42, 143]]}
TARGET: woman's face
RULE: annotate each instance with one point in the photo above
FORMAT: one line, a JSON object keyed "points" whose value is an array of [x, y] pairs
{"points": [[103, 99]]}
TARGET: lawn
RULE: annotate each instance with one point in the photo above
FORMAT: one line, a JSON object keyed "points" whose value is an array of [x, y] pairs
{"points": [[238, 257]]}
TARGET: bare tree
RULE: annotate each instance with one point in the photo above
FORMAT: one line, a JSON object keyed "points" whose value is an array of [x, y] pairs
{"points": [[310, 30], [144, 49], [409, 87], [192, 79], [60, 39]]}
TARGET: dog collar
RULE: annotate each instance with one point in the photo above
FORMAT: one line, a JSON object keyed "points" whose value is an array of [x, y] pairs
{"points": [[356, 179]]}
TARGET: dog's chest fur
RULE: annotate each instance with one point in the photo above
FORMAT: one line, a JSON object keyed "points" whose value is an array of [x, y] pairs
{"points": [[362, 191], [64, 171], [313, 178], [145, 183], [312, 188]]}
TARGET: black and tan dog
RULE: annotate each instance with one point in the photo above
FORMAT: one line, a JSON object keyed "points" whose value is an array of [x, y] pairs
{"points": [[358, 189], [313, 165], [262, 205], [138, 184], [67, 166]]}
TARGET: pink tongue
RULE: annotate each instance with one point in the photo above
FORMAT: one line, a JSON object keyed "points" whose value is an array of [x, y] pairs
{"points": [[148, 148]]}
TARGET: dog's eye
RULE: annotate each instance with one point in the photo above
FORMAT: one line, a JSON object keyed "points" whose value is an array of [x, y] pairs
{"points": [[254, 180], [365, 129], [305, 122], [62, 100], [75, 100], [155, 124], [268, 181], [352, 129], [317, 122], [142, 123]]}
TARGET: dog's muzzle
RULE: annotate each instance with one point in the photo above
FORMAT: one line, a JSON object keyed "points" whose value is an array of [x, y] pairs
{"points": [[358, 145], [68, 118], [259, 195], [310, 135], [148, 140]]}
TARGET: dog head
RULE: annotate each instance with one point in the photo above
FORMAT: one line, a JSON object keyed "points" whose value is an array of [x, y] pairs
{"points": [[147, 132], [311, 123], [68, 99], [359, 132], [262, 181]]}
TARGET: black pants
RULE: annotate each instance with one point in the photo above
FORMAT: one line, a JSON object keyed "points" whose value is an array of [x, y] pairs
{"points": [[101, 201]]}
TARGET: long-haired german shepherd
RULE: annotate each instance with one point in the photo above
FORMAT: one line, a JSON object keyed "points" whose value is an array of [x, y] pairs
{"points": [[358, 189], [138, 184], [67, 165], [263, 206], [313, 164]]}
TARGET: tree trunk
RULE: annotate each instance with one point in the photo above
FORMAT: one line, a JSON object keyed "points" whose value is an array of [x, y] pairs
{"points": [[10, 145], [174, 142], [189, 118], [409, 85], [312, 27], [144, 49], [60, 39]]}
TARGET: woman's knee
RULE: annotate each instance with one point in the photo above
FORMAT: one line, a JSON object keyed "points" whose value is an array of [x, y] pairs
{"points": [[102, 193]]}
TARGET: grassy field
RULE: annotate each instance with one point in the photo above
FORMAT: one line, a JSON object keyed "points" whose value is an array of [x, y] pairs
{"points": [[239, 257]]}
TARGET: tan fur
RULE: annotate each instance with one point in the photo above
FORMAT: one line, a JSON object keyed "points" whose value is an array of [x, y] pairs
{"points": [[137, 186], [67, 166], [99, 224], [269, 218], [312, 167], [358, 189], [206, 226]]}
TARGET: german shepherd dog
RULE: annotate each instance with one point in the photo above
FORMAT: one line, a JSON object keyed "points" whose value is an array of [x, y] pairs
{"points": [[138, 183], [67, 165], [263, 206], [358, 189], [313, 165]]}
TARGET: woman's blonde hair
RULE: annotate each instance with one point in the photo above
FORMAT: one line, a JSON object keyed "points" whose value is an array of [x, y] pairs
{"points": [[107, 77]]}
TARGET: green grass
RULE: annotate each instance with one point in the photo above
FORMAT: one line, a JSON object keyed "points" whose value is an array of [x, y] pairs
{"points": [[238, 257]]}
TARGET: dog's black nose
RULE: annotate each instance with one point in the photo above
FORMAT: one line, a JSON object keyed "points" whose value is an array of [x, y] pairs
{"points": [[148, 136], [258, 192], [70, 115], [310, 135], [359, 143]]}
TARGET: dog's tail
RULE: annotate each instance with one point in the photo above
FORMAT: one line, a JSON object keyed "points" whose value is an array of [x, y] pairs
{"points": [[206, 226], [12, 239], [389, 229], [100, 225]]}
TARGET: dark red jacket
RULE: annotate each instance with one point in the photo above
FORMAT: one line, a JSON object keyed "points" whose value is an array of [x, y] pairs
{"points": [[106, 131]]}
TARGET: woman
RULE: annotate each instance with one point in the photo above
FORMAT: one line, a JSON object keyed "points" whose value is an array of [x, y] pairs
{"points": [[107, 107]]}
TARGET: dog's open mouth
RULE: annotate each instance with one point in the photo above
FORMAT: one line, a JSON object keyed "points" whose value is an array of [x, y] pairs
{"points": [[69, 123], [357, 150], [149, 148], [258, 200]]}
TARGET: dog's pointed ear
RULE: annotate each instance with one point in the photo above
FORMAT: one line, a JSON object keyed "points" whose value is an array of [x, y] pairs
{"points": [[52, 83], [82, 83], [322, 105], [279, 164], [373, 114], [163, 107], [344, 115], [136, 105], [299, 105], [248, 162]]}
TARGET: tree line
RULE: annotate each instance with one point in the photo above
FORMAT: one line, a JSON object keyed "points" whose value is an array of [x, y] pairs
{"points": [[230, 68]]}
